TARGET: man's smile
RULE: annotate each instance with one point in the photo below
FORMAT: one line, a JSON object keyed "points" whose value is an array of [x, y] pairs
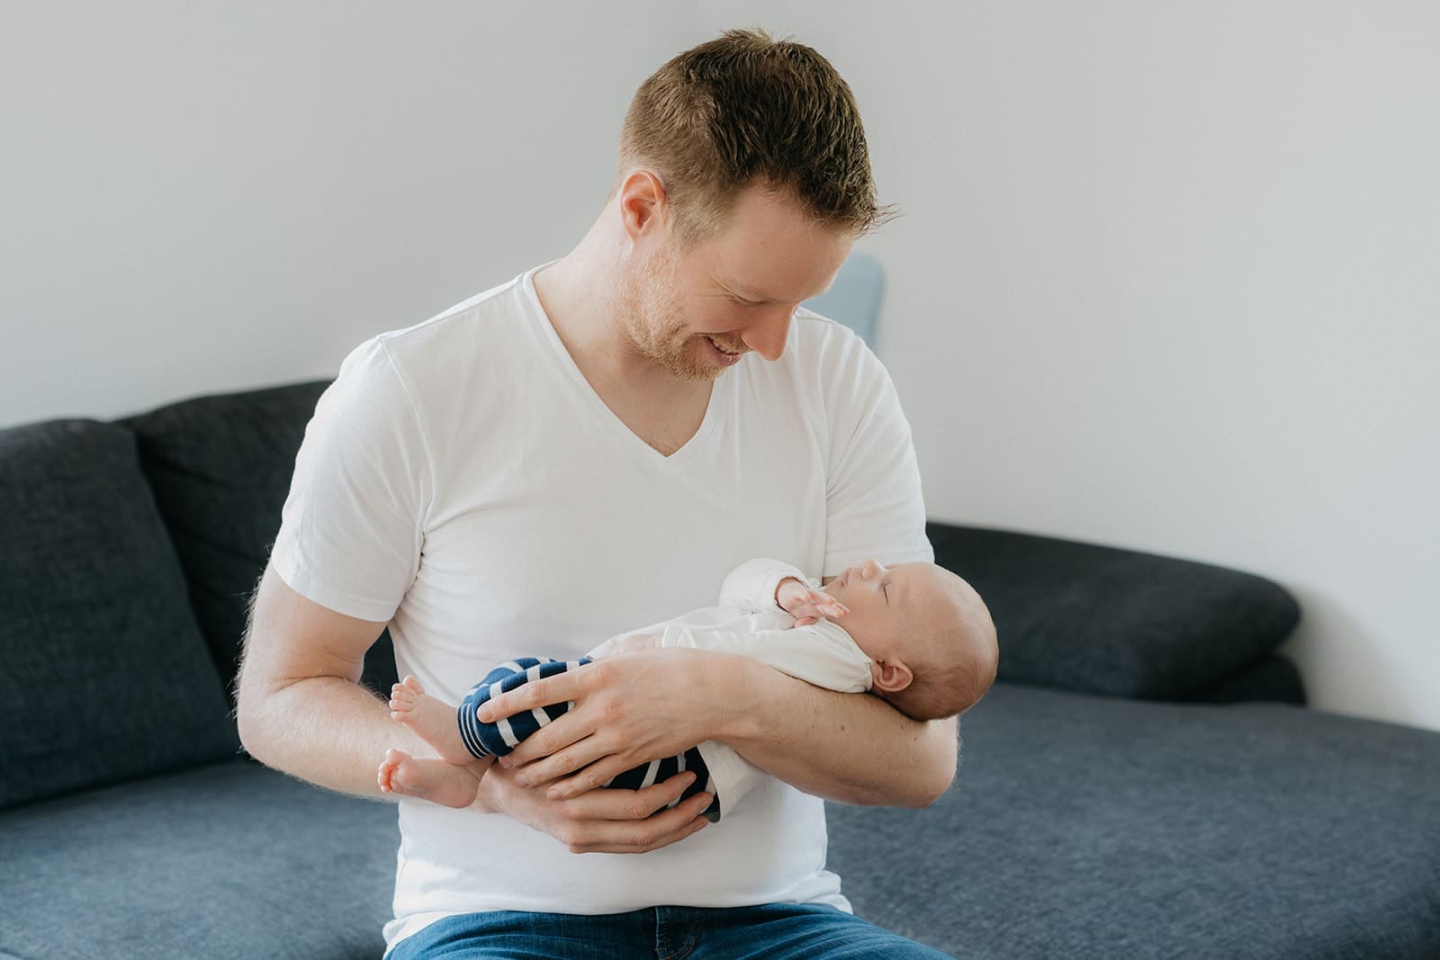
{"points": [[728, 355]]}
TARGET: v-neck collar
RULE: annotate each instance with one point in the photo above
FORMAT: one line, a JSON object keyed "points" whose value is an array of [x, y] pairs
{"points": [[719, 390]]}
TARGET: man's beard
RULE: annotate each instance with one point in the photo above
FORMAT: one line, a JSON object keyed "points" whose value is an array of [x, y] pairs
{"points": [[656, 324]]}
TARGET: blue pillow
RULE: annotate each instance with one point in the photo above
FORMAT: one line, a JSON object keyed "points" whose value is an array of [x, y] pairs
{"points": [[220, 468], [1097, 619], [105, 673]]}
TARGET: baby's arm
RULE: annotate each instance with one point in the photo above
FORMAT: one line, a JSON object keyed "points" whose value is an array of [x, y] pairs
{"points": [[627, 643], [821, 654], [753, 584]]}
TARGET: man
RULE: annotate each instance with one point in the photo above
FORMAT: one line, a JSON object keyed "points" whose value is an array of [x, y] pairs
{"points": [[588, 448]]}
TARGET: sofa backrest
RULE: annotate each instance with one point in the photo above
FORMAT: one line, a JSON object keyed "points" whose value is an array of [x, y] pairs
{"points": [[1097, 619], [105, 673], [128, 555], [220, 468]]}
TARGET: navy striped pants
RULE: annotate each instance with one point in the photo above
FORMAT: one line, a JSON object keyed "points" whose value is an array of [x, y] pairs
{"points": [[498, 739]]}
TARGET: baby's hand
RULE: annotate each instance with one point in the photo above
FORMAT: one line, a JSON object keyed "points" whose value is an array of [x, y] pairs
{"points": [[807, 605]]}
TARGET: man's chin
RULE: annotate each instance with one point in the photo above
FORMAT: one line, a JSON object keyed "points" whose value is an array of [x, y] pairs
{"points": [[694, 373]]}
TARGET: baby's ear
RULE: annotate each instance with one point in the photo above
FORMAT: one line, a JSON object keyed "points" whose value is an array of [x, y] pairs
{"points": [[891, 676]]}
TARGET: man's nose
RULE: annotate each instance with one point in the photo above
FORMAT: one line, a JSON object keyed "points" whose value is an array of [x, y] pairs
{"points": [[766, 335]]}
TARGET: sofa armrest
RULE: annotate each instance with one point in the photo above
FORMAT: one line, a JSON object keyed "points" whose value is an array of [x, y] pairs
{"points": [[1096, 619]]}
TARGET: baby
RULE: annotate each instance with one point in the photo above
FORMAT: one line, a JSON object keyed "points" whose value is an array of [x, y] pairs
{"points": [[915, 634]]}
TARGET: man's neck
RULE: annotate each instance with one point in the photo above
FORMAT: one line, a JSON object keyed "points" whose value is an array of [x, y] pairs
{"points": [[578, 294], [660, 408]]}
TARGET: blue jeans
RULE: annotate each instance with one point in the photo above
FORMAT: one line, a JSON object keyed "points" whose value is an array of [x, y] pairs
{"points": [[777, 931]]}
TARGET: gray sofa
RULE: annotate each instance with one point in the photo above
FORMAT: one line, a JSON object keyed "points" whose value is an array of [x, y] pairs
{"points": [[1142, 782]]}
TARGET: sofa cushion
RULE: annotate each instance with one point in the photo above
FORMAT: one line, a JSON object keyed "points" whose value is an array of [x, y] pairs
{"points": [[1084, 826], [105, 673], [231, 861], [1095, 619], [1274, 678], [220, 467]]}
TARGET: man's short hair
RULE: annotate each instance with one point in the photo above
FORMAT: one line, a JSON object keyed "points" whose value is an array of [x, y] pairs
{"points": [[745, 108]]}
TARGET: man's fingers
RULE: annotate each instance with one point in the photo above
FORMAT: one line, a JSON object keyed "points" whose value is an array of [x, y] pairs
{"points": [[695, 806], [529, 696], [543, 745], [656, 840], [624, 805], [640, 835], [565, 759], [598, 773]]}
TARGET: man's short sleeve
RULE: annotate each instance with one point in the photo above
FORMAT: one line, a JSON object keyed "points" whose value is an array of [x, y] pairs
{"points": [[874, 506], [353, 523]]}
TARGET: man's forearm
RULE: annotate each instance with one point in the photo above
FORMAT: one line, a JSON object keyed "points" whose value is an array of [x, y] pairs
{"points": [[326, 730], [848, 747]]}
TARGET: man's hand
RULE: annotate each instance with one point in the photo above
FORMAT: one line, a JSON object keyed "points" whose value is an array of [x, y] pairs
{"points": [[628, 710], [601, 821], [806, 605]]}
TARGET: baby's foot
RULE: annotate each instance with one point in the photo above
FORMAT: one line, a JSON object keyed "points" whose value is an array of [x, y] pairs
{"points": [[434, 780], [433, 719]]}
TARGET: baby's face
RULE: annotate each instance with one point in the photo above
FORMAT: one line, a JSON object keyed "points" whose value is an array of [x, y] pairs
{"points": [[884, 604]]}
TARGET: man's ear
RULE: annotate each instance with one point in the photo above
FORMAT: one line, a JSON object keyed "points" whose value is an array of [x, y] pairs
{"points": [[642, 201], [892, 676]]}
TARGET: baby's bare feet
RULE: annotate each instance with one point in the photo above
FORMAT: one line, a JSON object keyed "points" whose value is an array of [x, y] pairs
{"points": [[434, 780], [433, 719]]}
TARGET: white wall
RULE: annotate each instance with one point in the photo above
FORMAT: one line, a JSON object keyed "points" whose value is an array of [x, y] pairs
{"points": [[1166, 277], [1169, 277], [197, 197]]}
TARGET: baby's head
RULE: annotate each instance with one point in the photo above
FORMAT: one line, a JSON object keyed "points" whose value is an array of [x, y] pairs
{"points": [[927, 633]]}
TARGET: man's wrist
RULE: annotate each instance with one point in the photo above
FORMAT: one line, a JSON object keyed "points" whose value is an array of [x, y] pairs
{"points": [[485, 793], [738, 681]]}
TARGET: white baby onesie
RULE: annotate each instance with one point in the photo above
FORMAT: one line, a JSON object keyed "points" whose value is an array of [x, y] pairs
{"points": [[748, 621]]}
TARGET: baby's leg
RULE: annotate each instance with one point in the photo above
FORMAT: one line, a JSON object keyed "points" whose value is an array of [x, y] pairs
{"points": [[658, 771], [448, 784], [433, 719]]}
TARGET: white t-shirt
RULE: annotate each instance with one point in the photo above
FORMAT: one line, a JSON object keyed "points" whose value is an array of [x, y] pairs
{"points": [[461, 480]]}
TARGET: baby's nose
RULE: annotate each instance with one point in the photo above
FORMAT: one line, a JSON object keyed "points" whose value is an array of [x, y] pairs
{"points": [[871, 569]]}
